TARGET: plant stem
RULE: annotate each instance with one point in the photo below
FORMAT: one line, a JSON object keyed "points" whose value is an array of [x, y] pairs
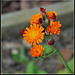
{"points": [[64, 62], [50, 54]]}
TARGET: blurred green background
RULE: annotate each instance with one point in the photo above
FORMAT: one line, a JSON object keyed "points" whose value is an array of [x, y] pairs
{"points": [[16, 57]]}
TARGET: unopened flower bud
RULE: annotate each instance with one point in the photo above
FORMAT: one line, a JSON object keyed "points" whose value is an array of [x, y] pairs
{"points": [[22, 32], [40, 21], [42, 10], [53, 17], [51, 42]]}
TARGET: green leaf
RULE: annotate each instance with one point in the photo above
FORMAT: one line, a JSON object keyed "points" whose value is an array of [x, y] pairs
{"points": [[21, 58], [17, 57], [22, 51], [71, 64], [33, 69], [41, 72], [30, 67], [36, 68], [64, 71], [47, 49]]}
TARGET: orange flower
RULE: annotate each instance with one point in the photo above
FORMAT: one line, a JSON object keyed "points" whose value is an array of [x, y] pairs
{"points": [[36, 19], [34, 34], [37, 50], [51, 15], [48, 28], [54, 28]]}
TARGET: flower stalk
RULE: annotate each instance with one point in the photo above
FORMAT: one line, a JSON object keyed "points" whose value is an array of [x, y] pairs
{"points": [[62, 58], [49, 54]]}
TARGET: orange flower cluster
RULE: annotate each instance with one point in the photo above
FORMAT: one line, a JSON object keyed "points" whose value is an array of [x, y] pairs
{"points": [[51, 15], [34, 35], [54, 28], [37, 19], [37, 50]]}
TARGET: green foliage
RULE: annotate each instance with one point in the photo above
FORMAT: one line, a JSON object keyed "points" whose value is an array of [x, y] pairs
{"points": [[41, 72], [71, 66], [33, 69], [64, 71], [30, 67], [47, 49], [21, 57]]}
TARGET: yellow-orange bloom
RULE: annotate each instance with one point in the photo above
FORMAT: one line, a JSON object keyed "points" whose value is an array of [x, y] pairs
{"points": [[37, 50], [36, 19], [54, 28], [51, 15], [34, 34]]}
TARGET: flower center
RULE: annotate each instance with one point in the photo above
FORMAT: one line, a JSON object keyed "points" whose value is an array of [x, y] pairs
{"points": [[33, 35], [37, 51], [54, 27]]}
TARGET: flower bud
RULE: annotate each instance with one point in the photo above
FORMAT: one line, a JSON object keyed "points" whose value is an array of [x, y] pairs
{"points": [[51, 42], [53, 17], [22, 32], [42, 10], [40, 21]]}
